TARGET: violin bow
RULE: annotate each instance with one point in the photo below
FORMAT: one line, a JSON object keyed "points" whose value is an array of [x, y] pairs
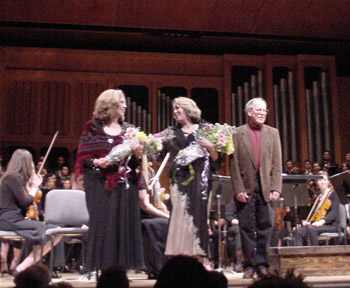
{"points": [[48, 152], [160, 170]]}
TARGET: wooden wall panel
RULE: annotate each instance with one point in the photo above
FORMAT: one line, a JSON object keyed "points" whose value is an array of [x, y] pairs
{"points": [[55, 108], [83, 102], [22, 107]]}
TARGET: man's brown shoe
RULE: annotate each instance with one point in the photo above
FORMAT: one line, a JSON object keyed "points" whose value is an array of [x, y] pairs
{"points": [[248, 274]]}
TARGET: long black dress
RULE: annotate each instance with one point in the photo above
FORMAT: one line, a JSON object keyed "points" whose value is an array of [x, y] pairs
{"points": [[13, 204], [114, 225], [189, 189]]}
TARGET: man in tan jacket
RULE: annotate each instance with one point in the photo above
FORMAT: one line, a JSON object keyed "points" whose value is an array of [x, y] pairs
{"points": [[256, 167]]}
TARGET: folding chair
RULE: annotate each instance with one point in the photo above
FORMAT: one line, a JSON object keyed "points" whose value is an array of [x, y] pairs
{"points": [[13, 236], [341, 234], [68, 210]]}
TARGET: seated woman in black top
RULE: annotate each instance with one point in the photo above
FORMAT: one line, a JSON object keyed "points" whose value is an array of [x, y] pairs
{"points": [[325, 214], [19, 178]]}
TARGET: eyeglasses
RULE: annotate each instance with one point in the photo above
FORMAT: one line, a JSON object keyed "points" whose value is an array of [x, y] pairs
{"points": [[260, 111]]}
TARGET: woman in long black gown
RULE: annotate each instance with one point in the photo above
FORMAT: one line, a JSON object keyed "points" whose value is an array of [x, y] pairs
{"points": [[14, 201], [111, 190], [189, 184]]}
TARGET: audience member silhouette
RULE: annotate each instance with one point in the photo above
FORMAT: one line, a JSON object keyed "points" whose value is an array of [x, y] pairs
{"points": [[113, 277], [184, 272], [217, 280], [35, 276]]}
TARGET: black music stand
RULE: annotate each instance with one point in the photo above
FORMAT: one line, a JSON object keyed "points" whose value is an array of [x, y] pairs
{"points": [[294, 193], [341, 184], [222, 191]]}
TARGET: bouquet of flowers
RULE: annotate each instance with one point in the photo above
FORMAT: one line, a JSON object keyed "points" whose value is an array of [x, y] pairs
{"points": [[152, 144], [121, 151], [192, 152], [219, 135]]}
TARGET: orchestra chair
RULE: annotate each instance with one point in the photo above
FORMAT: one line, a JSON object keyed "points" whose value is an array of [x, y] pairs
{"points": [[13, 236], [341, 234], [67, 209], [289, 239]]}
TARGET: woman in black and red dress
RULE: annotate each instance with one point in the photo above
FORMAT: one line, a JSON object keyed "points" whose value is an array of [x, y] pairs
{"points": [[111, 190]]}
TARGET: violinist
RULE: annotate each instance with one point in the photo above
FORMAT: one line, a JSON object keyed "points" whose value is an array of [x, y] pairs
{"points": [[324, 214], [20, 176]]}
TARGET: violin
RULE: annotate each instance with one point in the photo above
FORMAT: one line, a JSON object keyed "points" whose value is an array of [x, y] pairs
{"points": [[320, 209], [32, 212], [279, 223]]}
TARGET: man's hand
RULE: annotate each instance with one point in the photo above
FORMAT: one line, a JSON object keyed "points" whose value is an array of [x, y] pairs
{"points": [[274, 195], [242, 197]]}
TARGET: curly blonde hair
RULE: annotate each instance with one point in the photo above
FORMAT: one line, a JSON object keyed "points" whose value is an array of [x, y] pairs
{"points": [[105, 103], [190, 107]]}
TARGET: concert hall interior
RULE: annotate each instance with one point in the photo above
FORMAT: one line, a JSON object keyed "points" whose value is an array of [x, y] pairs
{"points": [[57, 57]]}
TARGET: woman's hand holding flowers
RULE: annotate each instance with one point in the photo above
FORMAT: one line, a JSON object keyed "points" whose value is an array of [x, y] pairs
{"points": [[102, 162], [206, 144], [136, 147]]}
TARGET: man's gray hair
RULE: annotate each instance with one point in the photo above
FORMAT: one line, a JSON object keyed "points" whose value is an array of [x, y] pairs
{"points": [[250, 103]]}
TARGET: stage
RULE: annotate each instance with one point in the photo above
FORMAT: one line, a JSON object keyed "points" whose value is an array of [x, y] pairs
{"points": [[322, 266], [140, 280]]}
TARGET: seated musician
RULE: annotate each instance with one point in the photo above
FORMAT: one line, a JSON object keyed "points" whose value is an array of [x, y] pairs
{"points": [[20, 176], [324, 214]]}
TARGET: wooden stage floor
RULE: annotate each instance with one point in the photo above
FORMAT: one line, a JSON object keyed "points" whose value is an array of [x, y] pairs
{"points": [[140, 280]]}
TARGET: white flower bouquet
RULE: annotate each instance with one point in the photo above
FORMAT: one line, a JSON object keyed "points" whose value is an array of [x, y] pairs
{"points": [[152, 144], [123, 150], [189, 154], [219, 134]]}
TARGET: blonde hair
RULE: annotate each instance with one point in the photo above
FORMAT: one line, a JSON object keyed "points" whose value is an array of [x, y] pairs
{"points": [[190, 107], [105, 103], [22, 162]]}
